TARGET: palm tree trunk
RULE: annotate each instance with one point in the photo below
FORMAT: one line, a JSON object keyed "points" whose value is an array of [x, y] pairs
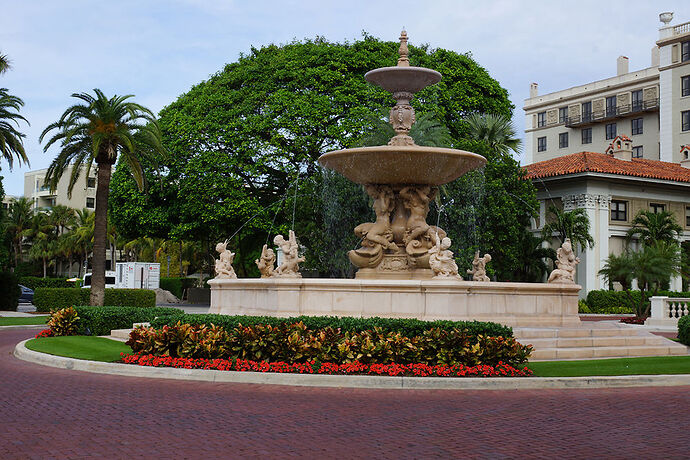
{"points": [[100, 235], [45, 268], [181, 259]]}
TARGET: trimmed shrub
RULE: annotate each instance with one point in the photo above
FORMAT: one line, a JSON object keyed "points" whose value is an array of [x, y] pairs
{"points": [[684, 330], [47, 299], [582, 307], [617, 302], [405, 326], [101, 320], [33, 282], [177, 286], [9, 291], [296, 343]]}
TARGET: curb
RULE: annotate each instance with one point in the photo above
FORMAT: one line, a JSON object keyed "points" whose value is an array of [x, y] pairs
{"points": [[25, 326], [350, 381]]}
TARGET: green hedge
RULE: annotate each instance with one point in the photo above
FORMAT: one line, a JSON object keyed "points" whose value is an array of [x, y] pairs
{"points": [[177, 286], [408, 327], [33, 282], [684, 330], [101, 320], [46, 299], [9, 291], [617, 302]]}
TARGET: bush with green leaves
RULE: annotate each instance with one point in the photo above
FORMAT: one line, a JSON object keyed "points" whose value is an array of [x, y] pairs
{"points": [[297, 343], [407, 326], [621, 302], [34, 282], [102, 320], [47, 299], [10, 291], [684, 330]]}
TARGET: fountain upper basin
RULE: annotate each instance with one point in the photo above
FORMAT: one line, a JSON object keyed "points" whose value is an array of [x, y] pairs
{"points": [[411, 79], [389, 164]]}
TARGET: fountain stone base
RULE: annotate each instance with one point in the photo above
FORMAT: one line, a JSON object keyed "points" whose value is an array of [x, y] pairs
{"points": [[512, 304]]}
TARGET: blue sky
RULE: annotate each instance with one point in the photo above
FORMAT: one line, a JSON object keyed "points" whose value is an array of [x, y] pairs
{"points": [[158, 49]]}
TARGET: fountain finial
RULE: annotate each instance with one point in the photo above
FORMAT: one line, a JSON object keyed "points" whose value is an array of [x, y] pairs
{"points": [[403, 61]]}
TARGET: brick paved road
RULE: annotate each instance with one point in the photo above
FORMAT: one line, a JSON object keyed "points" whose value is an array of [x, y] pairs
{"points": [[53, 413]]}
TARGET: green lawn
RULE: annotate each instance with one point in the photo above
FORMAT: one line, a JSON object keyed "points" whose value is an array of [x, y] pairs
{"points": [[618, 366], [23, 320], [80, 347]]}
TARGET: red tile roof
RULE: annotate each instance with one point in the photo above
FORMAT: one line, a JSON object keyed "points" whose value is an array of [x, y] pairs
{"points": [[607, 164]]}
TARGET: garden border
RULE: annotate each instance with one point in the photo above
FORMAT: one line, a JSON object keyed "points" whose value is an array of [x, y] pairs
{"points": [[350, 381]]}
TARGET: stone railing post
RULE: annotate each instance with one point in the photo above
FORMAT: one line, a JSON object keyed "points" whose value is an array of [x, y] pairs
{"points": [[658, 307]]}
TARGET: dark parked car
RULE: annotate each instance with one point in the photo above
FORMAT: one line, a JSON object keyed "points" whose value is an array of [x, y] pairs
{"points": [[27, 294]]}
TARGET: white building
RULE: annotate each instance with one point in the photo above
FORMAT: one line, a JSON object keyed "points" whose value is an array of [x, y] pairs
{"points": [[83, 193]]}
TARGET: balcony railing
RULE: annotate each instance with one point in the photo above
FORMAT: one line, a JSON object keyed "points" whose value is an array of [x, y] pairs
{"points": [[612, 113], [681, 28]]}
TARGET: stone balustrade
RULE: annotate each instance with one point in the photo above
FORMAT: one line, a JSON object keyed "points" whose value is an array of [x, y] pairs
{"points": [[667, 310]]}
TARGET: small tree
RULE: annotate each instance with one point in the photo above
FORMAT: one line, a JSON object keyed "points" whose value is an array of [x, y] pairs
{"points": [[569, 224], [650, 228]]}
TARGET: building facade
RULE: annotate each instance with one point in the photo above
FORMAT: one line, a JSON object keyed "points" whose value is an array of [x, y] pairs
{"points": [[650, 106], [83, 193]]}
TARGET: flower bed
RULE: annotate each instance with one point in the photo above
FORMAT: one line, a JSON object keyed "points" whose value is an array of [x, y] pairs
{"points": [[315, 367], [45, 333]]}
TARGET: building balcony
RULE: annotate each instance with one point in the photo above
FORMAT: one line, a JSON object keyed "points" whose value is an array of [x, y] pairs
{"points": [[45, 192], [622, 111]]}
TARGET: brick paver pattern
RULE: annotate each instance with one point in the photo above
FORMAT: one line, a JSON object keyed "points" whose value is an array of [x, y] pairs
{"points": [[56, 413]]}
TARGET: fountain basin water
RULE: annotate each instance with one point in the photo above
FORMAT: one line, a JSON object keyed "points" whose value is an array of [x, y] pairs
{"points": [[390, 164]]}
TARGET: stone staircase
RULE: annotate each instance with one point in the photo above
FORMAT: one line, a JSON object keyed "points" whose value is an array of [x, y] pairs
{"points": [[595, 340]]}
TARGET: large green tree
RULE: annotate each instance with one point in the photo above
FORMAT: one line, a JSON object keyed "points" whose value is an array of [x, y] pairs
{"points": [[244, 146], [99, 129]]}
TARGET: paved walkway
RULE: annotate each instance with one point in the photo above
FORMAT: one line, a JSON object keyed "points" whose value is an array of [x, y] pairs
{"points": [[54, 413]]}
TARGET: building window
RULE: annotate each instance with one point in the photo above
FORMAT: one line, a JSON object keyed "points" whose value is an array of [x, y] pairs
{"points": [[687, 216], [610, 131], [657, 208], [636, 127], [619, 210], [562, 140], [563, 114], [91, 182], [586, 111], [541, 119], [637, 151], [587, 136], [637, 100], [685, 85], [91, 203], [685, 120], [541, 144], [685, 51], [610, 106]]}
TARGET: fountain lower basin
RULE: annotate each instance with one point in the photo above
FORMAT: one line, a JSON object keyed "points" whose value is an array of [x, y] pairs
{"points": [[390, 164]]}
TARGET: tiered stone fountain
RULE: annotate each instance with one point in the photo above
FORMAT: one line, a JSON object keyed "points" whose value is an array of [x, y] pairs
{"points": [[394, 277]]}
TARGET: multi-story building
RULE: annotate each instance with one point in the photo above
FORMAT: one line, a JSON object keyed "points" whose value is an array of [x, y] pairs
{"points": [[651, 106], [83, 193], [7, 201]]}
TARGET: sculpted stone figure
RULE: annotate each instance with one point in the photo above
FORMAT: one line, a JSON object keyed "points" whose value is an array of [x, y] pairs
{"points": [[566, 262], [223, 265], [291, 258], [267, 262], [441, 259], [478, 270], [376, 236]]}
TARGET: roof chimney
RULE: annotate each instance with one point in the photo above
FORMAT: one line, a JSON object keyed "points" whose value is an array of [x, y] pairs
{"points": [[622, 65], [620, 148], [655, 56], [685, 156], [534, 90]]}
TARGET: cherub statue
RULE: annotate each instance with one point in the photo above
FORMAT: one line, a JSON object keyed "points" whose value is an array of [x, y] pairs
{"points": [[266, 262], [223, 266], [291, 258], [478, 270], [376, 236], [566, 262], [416, 200], [441, 259]]}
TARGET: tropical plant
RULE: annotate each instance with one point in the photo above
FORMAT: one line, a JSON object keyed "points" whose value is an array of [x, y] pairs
{"points": [[18, 221], [568, 224], [533, 266], [495, 130], [98, 129], [650, 228], [11, 143], [4, 63], [42, 236]]}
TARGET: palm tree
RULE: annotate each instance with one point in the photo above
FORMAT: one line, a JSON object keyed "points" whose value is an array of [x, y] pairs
{"points": [[11, 144], [19, 220], [42, 234], [83, 235], [569, 224], [62, 217], [426, 131], [650, 227], [495, 130], [4, 63], [98, 129], [533, 256]]}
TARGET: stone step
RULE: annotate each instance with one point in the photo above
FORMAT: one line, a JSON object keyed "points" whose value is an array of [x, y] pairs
{"points": [[622, 341], [607, 352], [120, 333], [538, 333]]}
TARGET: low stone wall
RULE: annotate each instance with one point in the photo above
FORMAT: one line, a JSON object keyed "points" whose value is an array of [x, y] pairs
{"points": [[513, 304]]}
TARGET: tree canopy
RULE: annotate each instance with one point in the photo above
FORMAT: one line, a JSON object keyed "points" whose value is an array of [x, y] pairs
{"points": [[244, 146]]}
